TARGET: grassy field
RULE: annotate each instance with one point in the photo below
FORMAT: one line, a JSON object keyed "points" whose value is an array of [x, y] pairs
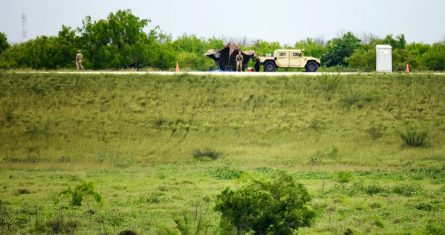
{"points": [[133, 137]]}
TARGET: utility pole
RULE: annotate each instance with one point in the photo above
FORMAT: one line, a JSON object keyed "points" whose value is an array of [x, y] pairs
{"points": [[24, 32]]}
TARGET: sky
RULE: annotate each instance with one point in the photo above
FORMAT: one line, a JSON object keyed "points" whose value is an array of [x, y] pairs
{"points": [[285, 21]]}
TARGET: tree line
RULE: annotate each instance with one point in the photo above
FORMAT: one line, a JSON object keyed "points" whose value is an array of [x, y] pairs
{"points": [[120, 42]]}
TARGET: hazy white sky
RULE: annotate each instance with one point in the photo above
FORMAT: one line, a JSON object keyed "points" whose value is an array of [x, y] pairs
{"points": [[285, 21]]}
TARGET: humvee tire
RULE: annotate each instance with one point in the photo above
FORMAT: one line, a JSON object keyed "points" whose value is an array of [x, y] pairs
{"points": [[270, 66], [311, 66]]}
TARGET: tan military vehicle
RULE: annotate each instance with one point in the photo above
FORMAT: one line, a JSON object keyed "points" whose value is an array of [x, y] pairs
{"points": [[287, 58]]}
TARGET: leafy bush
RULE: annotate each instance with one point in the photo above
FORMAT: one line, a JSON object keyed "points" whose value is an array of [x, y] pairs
{"points": [[206, 154], [414, 138], [339, 49], [278, 205], [77, 195], [3, 42]]}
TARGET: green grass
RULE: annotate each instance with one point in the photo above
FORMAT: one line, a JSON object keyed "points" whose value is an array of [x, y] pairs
{"points": [[134, 137]]}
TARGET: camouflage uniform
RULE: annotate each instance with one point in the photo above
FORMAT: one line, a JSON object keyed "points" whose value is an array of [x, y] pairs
{"points": [[239, 62], [79, 58]]}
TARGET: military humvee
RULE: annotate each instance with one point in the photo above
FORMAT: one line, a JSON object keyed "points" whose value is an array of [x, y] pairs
{"points": [[287, 58]]}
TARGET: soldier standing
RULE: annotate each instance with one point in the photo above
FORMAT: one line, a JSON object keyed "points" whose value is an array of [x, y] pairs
{"points": [[79, 58], [239, 62]]}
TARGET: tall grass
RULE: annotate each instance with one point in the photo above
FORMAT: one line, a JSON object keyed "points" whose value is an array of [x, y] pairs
{"points": [[134, 138]]}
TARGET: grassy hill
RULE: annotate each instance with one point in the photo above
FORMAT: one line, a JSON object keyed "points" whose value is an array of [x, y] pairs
{"points": [[134, 137]]}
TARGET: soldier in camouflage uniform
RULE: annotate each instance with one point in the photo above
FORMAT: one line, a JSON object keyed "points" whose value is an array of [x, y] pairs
{"points": [[79, 58], [239, 62]]}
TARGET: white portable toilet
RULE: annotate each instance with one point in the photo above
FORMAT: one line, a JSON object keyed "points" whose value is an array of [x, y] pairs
{"points": [[383, 58]]}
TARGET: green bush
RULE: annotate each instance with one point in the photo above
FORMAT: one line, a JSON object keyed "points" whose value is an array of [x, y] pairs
{"points": [[434, 59], [277, 205], [344, 176], [414, 138], [77, 195]]}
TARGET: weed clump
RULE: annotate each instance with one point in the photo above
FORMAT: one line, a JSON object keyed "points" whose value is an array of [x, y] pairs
{"points": [[328, 84], [423, 206], [358, 99], [374, 189], [8, 112], [227, 173], [206, 154], [414, 138], [375, 133], [21, 191], [77, 195], [407, 190], [61, 225], [435, 227], [344, 177]]}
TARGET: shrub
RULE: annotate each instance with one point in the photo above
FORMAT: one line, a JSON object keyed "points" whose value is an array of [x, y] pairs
{"points": [[435, 228], [414, 138], [6, 217], [375, 133], [206, 154], [407, 190], [278, 205], [423, 206], [8, 112], [77, 194], [344, 176], [21, 191], [374, 189]]}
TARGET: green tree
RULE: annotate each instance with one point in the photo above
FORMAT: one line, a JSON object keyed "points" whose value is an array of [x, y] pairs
{"points": [[364, 58], [275, 206], [3, 42], [311, 47], [339, 49], [190, 44], [434, 59], [263, 47], [118, 41]]}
